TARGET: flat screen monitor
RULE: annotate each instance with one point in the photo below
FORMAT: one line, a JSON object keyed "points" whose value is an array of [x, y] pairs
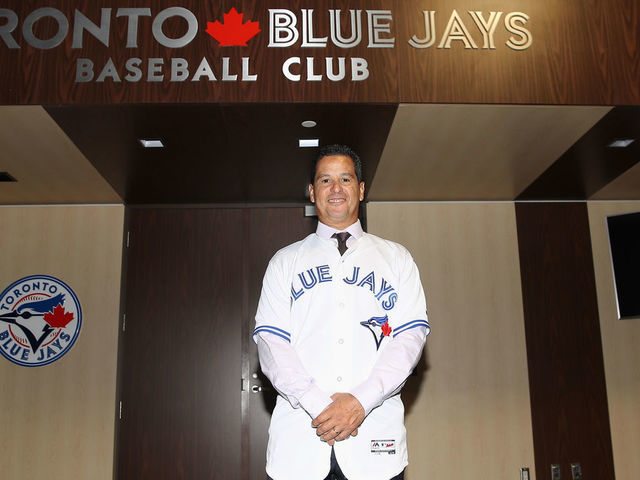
{"points": [[624, 243]]}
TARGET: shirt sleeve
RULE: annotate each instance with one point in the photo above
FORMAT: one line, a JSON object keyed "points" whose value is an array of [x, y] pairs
{"points": [[278, 359], [394, 365], [281, 365], [410, 327]]}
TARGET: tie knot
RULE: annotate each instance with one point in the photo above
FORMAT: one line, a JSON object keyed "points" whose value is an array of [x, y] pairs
{"points": [[342, 241]]}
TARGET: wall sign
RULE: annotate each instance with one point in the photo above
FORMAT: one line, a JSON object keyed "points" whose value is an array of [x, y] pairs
{"points": [[516, 51], [286, 28], [40, 319]]}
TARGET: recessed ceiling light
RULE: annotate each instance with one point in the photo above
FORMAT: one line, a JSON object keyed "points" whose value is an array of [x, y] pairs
{"points": [[309, 124], [308, 142], [149, 143], [621, 143]]}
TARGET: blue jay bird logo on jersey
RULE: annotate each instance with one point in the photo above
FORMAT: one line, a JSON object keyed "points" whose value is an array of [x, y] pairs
{"points": [[40, 319], [379, 328]]}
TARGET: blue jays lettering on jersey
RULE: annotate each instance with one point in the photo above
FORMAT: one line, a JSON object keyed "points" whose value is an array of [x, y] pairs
{"points": [[311, 277]]}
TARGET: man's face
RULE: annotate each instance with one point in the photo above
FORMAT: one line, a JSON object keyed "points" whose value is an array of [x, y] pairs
{"points": [[336, 191]]}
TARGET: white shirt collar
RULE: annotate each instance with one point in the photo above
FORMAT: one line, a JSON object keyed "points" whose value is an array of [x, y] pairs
{"points": [[325, 231]]}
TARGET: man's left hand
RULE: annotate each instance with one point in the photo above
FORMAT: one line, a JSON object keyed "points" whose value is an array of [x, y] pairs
{"points": [[340, 419]]}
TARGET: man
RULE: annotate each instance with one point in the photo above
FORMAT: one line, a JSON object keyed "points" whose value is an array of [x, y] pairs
{"points": [[340, 325]]}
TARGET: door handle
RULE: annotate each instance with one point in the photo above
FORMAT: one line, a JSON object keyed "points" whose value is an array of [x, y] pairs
{"points": [[260, 388]]}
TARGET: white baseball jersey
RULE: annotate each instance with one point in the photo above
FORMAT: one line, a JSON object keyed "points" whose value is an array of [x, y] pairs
{"points": [[341, 316]]}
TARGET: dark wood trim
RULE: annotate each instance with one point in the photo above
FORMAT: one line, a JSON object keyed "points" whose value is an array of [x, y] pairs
{"points": [[569, 407], [220, 154], [578, 55]]}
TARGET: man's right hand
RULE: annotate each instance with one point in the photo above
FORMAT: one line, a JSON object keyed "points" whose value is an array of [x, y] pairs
{"points": [[340, 419]]}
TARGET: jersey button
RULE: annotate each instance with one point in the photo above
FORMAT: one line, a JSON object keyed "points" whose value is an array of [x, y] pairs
{"points": [[340, 341], [339, 379], [341, 304]]}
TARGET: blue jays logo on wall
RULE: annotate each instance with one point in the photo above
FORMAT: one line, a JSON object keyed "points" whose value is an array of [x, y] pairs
{"points": [[40, 319]]}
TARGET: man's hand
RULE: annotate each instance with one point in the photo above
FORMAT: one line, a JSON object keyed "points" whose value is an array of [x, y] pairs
{"points": [[340, 419]]}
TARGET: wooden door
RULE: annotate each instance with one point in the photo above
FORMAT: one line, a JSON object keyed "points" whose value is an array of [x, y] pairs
{"points": [[193, 280], [270, 230], [181, 348]]}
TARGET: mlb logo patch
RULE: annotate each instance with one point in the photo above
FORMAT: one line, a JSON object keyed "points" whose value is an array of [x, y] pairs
{"points": [[383, 446], [40, 319]]}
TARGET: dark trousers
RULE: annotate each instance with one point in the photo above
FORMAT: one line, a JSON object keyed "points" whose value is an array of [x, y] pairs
{"points": [[336, 474]]}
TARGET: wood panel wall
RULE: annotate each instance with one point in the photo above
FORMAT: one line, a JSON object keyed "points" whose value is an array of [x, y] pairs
{"points": [[181, 363], [194, 277], [620, 341], [566, 371], [576, 50], [58, 420], [580, 53], [468, 413]]}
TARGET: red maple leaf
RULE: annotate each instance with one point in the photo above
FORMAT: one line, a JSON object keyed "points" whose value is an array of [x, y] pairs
{"points": [[233, 31], [59, 318], [386, 329]]}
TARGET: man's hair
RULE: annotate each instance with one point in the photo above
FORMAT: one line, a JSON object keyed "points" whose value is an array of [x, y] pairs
{"points": [[330, 150]]}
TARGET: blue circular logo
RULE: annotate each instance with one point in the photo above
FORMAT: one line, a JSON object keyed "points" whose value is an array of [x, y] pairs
{"points": [[40, 319]]}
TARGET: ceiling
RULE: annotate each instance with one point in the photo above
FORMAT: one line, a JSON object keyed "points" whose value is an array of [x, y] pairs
{"points": [[249, 154]]}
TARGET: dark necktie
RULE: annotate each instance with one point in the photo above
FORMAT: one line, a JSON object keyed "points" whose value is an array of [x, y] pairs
{"points": [[342, 241]]}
